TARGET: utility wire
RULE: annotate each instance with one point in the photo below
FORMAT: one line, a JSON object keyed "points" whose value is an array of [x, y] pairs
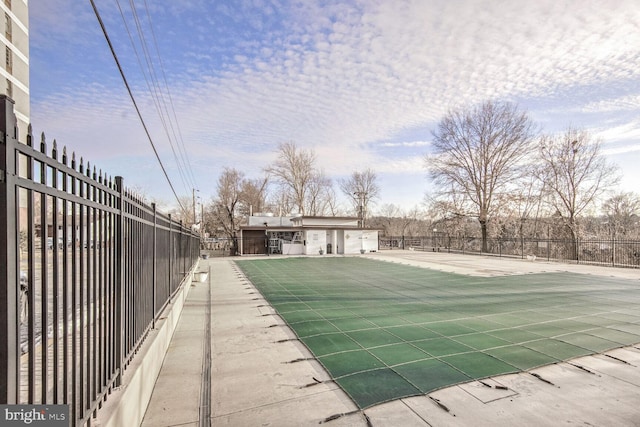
{"points": [[154, 88], [180, 139], [157, 92], [133, 100]]}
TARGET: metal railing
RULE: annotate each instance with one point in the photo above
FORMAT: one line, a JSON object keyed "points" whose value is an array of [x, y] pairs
{"points": [[85, 271], [612, 252]]}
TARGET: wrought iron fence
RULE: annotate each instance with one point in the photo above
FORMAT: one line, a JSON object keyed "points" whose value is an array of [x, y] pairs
{"points": [[85, 270], [612, 252]]}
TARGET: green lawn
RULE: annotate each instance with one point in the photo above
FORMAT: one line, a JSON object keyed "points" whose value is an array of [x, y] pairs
{"points": [[386, 331]]}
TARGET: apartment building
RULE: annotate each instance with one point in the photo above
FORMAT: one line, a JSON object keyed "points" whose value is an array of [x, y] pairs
{"points": [[14, 70]]}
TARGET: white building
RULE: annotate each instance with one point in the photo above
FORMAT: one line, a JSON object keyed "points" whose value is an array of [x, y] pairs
{"points": [[305, 235], [14, 81]]}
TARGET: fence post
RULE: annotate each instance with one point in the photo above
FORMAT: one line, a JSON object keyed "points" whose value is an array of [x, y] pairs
{"points": [[613, 252], [9, 346], [189, 250], [154, 290], [119, 280], [171, 249], [183, 268]]}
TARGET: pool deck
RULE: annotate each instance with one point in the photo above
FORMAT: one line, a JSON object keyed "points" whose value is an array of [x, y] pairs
{"points": [[255, 373]]}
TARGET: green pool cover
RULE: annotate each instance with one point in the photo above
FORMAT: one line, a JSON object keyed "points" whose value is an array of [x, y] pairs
{"points": [[386, 331]]}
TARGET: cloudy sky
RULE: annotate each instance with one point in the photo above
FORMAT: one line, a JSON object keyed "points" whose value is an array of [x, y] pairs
{"points": [[364, 82]]}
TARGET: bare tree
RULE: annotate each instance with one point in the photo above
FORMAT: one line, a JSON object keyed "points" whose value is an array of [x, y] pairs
{"points": [[386, 219], [390, 210], [224, 212], [320, 195], [395, 221], [623, 213], [361, 189], [574, 174], [294, 169], [448, 215], [479, 152], [281, 202], [184, 212], [520, 209], [253, 195], [332, 207], [409, 222]]}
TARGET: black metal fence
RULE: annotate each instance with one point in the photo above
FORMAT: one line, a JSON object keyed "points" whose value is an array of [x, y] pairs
{"points": [[612, 252], [85, 270]]}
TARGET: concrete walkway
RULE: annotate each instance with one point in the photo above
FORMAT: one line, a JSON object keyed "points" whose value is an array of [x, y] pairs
{"points": [[176, 395], [261, 376], [257, 375]]}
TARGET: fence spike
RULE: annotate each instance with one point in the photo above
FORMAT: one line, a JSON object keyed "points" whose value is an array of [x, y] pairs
{"points": [[73, 160], [94, 172], [81, 169], [54, 150], [29, 135], [100, 176], [43, 143], [64, 155]]}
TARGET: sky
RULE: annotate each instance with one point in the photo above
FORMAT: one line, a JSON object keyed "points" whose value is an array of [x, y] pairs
{"points": [[363, 83]]}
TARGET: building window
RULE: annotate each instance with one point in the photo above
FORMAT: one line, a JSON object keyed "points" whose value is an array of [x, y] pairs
{"points": [[8, 3], [8, 29], [8, 60], [9, 89]]}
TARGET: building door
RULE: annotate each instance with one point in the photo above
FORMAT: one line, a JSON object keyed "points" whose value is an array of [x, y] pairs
{"points": [[254, 242]]}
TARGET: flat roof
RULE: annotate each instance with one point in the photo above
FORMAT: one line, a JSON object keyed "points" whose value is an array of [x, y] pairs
{"points": [[303, 227]]}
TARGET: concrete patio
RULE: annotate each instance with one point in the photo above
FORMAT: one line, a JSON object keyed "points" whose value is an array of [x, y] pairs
{"points": [[232, 361]]}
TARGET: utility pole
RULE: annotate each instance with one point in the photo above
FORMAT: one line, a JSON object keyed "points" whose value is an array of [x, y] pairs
{"points": [[360, 195], [194, 201], [202, 220], [194, 205]]}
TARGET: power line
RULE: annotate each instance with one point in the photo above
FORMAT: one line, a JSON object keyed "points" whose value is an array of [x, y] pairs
{"points": [[133, 100], [180, 140], [153, 88]]}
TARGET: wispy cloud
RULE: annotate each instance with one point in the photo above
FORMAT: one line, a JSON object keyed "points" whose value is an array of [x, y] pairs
{"points": [[406, 144], [623, 103], [626, 137], [632, 148], [338, 76]]}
